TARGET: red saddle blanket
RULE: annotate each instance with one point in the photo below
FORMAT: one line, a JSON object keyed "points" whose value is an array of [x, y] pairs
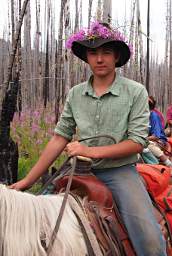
{"points": [[155, 176], [157, 181]]}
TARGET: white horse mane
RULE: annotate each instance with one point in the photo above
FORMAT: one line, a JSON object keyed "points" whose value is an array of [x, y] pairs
{"points": [[24, 218]]}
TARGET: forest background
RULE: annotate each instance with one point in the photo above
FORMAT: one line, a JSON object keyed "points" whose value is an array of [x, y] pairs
{"points": [[36, 70]]}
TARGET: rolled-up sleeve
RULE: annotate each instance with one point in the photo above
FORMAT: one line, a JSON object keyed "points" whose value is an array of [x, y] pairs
{"points": [[66, 126], [138, 125]]}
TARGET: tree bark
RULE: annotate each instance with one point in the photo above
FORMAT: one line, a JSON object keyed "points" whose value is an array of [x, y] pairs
{"points": [[8, 101], [148, 38]]}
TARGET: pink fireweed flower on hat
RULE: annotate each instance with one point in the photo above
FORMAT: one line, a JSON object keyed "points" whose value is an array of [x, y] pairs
{"points": [[97, 35], [96, 30]]}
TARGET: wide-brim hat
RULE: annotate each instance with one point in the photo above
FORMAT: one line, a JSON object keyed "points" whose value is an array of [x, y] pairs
{"points": [[79, 48], [97, 35]]}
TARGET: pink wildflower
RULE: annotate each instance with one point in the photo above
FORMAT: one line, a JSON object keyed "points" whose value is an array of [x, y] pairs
{"points": [[96, 30], [35, 128]]}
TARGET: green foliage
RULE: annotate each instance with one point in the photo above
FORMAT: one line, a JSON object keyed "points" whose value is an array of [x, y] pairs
{"points": [[32, 131], [24, 165]]}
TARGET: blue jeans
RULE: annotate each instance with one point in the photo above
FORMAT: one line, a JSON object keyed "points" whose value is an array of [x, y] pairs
{"points": [[136, 209]]}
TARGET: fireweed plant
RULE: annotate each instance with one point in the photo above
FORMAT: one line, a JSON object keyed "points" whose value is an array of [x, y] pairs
{"points": [[97, 30], [31, 131]]}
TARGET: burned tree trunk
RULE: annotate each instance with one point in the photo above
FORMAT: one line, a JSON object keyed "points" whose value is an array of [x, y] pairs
{"points": [[147, 57], [8, 101], [8, 148], [59, 85], [89, 12], [46, 80], [46, 73], [107, 11], [170, 54]]}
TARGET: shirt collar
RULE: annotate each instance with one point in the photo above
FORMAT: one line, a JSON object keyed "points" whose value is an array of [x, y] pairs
{"points": [[88, 89], [114, 89]]}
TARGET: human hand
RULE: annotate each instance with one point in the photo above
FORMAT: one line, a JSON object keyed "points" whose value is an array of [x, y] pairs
{"points": [[77, 149], [153, 138], [20, 185]]}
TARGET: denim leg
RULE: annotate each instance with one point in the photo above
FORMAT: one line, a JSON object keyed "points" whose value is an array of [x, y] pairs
{"points": [[136, 209]]}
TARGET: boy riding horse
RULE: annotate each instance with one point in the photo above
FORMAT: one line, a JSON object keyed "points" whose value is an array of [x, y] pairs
{"points": [[108, 104]]}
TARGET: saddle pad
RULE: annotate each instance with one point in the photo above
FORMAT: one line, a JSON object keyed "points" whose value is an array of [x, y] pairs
{"points": [[156, 177]]}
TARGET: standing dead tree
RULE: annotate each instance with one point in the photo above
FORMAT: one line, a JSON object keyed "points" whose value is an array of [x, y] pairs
{"points": [[8, 100], [140, 45], [27, 60], [37, 64], [89, 11], [59, 83], [107, 11], [165, 66], [148, 50], [46, 72], [18, 69], [170, 54]]}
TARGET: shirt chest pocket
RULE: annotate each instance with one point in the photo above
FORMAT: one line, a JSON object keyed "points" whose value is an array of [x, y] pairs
{"points": [[118, 117]]}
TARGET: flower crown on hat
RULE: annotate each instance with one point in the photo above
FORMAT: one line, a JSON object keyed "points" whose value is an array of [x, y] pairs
{"points": [[96, 30]]}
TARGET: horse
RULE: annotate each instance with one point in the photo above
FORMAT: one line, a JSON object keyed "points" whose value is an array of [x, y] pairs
{"points": [[32, 219], [27, 222]]}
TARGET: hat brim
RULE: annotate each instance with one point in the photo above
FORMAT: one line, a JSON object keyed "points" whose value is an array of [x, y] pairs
{"points": [[79, 48]]}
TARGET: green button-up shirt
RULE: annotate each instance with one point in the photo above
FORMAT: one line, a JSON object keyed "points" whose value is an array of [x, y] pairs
{"points": [[122, 112]]}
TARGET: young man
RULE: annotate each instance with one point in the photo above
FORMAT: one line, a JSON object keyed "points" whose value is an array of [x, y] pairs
{"points": [[116, 106], [157, 137]]}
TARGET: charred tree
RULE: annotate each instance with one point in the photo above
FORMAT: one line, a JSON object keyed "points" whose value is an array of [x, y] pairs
{"points": [[89, 11], [8, 148], [107, 11], [8, 101], [170, 54], [147, 57], [46, 79], [18, 70], [59, 86]]}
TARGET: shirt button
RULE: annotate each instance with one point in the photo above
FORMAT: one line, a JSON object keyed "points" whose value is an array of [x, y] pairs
{"points": [[96, 132], [97, 116]]}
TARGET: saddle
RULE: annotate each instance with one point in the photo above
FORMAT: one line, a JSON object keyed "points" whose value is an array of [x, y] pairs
{"points": [[103, 214], [100, 210]]}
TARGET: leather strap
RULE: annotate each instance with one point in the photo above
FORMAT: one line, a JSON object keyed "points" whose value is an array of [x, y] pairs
{"points": [[55, 231]]}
